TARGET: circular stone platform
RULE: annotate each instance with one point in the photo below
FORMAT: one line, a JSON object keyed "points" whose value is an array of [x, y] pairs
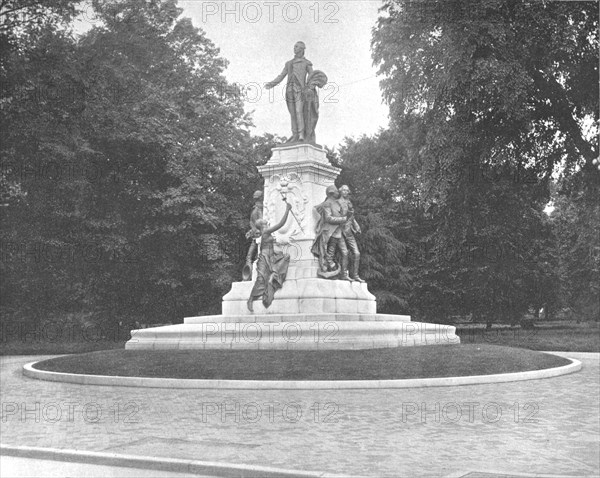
{"points": [[61, 368], [293, 332]]}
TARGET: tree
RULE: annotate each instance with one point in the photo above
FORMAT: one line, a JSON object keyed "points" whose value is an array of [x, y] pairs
{"points": [[23, 17], [576, 224], [384, 199], [178, 129], [37, 57], [153, 152], [497, 95], [518, 77]]}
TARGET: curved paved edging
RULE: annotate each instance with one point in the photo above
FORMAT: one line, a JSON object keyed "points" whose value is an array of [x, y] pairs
{"points": [[31, 372], [204, 468]]}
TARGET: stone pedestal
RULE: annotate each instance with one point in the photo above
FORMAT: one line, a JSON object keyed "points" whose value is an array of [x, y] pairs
{"points": [[306, 295], [308, 313], [301, 173]]}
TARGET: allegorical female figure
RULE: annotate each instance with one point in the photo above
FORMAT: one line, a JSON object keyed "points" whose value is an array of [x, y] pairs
{"points": [[272, 265]]}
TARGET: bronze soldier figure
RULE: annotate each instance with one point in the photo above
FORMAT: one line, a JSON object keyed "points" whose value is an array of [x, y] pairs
{"points": [[329, 237], [253, 233], [350, 228]]}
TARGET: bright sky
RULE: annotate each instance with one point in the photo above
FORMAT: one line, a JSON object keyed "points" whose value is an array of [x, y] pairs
{"points": [[257, 38]]}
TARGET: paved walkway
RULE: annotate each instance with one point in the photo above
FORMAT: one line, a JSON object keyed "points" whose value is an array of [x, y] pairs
{"points": [[549, 426], [16, 467]]}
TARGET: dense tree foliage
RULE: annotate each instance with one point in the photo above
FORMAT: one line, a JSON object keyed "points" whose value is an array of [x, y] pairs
{"points": [[20, 18], [513, 82], [487, 101], [576, 222], [503, 261], [384, 198], [125, 155]]}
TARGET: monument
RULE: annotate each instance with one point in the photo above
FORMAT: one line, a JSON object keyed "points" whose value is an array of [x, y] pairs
{"points": [[303, 290]]}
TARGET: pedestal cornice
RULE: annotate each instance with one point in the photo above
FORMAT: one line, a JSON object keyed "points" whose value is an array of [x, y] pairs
{"points": [[327, 171]]}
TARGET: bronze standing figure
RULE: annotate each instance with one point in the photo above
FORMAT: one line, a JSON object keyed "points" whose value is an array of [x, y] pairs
{"points": [[253, 234], [301, 94], [350, 228], [329, 237]]}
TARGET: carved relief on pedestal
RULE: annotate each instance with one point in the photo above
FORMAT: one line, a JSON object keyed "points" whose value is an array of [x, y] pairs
{"points": [[290, 186]]}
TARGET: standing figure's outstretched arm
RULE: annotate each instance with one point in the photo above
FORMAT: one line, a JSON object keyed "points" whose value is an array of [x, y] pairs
{"points": [[282, 222], [277, 80]]}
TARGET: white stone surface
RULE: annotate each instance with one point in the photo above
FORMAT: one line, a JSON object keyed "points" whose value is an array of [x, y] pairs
{"points": [[298, 152], [304, 296], [301, 173], [292, 335], [58, 462], [30, 371], [322, 317]]}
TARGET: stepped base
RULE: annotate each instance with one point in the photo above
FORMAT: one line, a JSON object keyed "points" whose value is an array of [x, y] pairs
{"points": [[318, 317], [304, 296], [296, 332]]}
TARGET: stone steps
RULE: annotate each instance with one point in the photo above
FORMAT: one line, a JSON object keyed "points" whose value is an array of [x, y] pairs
{"points": [[317, 317], [291, 335]]}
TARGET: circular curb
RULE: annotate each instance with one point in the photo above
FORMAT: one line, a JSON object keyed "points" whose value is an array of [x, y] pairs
{"points": [[216, 469], [152, 382]]}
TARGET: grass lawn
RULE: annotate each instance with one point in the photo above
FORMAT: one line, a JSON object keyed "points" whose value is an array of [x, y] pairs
{"points": [[378, 364], [20, 347], [567, 337]]}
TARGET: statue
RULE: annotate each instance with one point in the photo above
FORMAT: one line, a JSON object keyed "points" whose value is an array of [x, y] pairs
{"points": [[253, 233], [350, 228], [329, 237], [311, 104], [301, 95], [272, 265]]}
